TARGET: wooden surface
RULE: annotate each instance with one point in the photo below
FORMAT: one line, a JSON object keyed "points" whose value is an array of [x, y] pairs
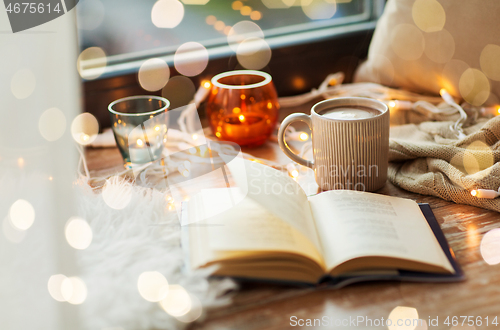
{"points": [[271, 307]]}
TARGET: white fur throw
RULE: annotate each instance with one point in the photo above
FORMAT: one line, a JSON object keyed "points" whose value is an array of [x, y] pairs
{"points": [[144, 235]]}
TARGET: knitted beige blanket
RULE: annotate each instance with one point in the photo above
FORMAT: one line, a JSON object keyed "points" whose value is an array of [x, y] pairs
{"points": [[427, 159]]}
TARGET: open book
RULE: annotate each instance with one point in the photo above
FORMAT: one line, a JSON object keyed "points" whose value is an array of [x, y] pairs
{"points": [[275, 232]]}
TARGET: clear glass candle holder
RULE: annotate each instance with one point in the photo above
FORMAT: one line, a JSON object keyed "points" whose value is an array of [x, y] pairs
{"points": [[139, 124], [242, 107]]}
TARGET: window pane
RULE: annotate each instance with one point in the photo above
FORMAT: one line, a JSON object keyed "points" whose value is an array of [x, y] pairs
{"points": [[128, 26]]}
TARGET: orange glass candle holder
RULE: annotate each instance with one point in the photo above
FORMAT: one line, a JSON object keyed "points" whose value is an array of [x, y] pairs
{"points": [[243, 107]]}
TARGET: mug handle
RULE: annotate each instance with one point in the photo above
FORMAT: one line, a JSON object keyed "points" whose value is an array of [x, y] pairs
{"points": [[281, 137]]}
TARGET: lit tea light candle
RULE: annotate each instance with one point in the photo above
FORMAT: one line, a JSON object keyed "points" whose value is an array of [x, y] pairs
{"points": [[243, 107], [485, 193], [139, 152], [143, 145], [244, 126]]}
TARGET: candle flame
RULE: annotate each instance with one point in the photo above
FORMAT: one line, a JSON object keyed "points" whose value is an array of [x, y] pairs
{"points": [[139, 142], [242, 118], [473, 193]]}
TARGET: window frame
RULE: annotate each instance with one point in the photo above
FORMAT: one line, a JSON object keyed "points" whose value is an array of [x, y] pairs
{"points": [[276, 38], [308, 55]]}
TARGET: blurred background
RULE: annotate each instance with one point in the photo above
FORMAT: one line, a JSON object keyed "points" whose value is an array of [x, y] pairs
{"points": [[299, 42]]}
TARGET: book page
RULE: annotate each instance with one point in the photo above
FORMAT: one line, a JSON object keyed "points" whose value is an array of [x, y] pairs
{"points": [[354, 224], [279, 194], [247, 226]]}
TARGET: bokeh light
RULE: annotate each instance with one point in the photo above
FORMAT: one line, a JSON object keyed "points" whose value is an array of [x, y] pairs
{"points": [[12, 233], [153, 74], [78, 233], [241, 31], [407, 41], [90, 14], [211, 19], [84, 128], [179, 91], [152, 286], [474, 87], [428, 15], [22, 214], [450, 76], [490, 61], [117, 193], [478, 156], [319, 9], [54, 285], [439, 46], [91, 63], [236, 5], [253, 54], [490, 247], [245, 10], [23, 83], [177, 302], [52, 124], [403, 313], [219, 25], [191, 58], [167, 13], [255, 15], [194, 312], [74, 290]]}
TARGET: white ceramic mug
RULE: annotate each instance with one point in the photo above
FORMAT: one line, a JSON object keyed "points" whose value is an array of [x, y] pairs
{"points": [[350, 140]]}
